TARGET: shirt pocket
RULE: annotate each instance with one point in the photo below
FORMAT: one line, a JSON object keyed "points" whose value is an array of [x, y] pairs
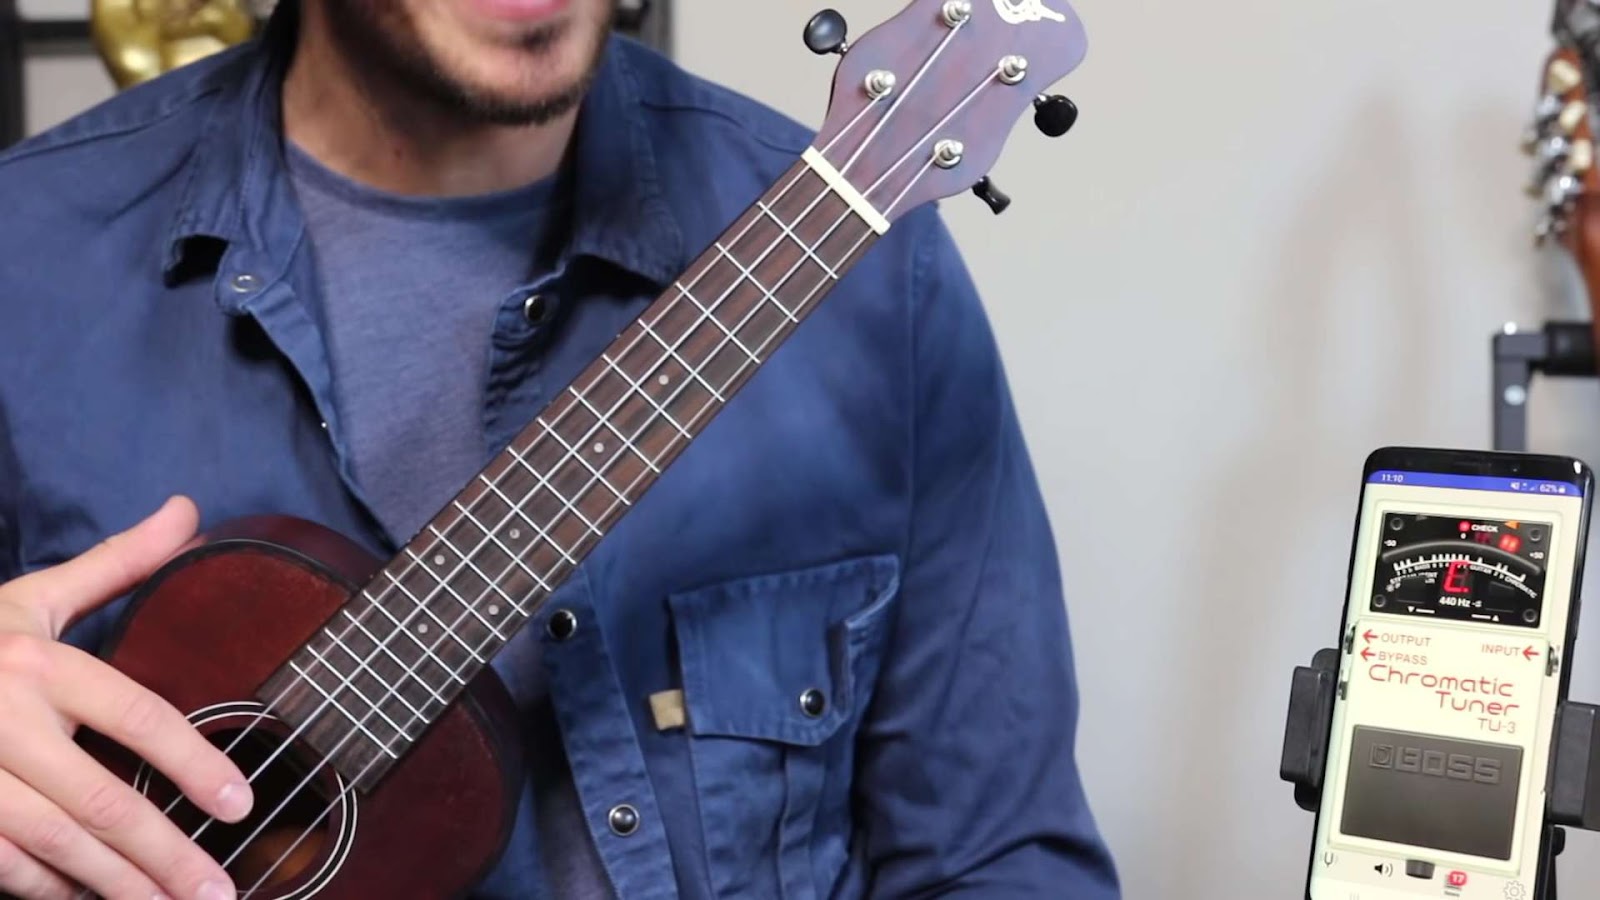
{"points": [[777, 670]]}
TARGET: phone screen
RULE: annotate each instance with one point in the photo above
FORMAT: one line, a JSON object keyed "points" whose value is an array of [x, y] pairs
{"points": [[1452, 663]]}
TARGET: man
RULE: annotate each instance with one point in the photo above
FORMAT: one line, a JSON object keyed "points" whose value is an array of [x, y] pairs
{"points": [[327, 275]]}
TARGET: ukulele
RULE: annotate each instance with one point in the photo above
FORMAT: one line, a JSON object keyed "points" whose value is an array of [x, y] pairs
{"points": [[354, 693], [1561, 142]]}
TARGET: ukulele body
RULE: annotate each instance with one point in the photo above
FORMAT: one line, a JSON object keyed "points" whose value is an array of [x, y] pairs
{"points": [[208, 629]]}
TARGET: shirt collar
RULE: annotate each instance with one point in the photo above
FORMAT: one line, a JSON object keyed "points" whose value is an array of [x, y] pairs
{"points": [[237, 191]]}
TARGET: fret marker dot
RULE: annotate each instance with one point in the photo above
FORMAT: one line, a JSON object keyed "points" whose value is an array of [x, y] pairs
{"points": [[599, 447], [515, 533], [423, 628], [663, 381], [439, 560], [494, 610]]}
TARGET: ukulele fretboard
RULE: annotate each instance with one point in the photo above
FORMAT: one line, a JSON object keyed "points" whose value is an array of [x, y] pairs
{"points": [[393, 658]]}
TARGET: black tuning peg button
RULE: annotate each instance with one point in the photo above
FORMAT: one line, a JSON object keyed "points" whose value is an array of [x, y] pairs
{"points": [[826, 32], [1054, 115], [991, 195]]}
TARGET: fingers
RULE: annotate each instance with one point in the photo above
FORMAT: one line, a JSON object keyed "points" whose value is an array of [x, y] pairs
{"points": [[23, 876], [100, 827], [107, 570], [48, 837], [88, 691]]}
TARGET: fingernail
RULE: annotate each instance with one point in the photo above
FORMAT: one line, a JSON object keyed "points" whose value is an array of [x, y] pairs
{"points": [[161, 897], [216, 890], [234, 801]]}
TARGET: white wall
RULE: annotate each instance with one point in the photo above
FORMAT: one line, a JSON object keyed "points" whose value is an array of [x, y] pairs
{"points": [[1279, 237]]}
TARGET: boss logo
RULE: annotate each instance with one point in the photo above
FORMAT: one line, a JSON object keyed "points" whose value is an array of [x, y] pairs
{"points": [[1436, 763]]}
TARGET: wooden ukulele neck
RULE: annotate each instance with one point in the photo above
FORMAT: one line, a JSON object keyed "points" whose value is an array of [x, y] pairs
{"points": [[404, 646]]}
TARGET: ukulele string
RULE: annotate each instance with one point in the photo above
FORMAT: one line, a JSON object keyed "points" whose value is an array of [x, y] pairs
{"points": [[516, 506], [710, 404], [381, 645], [604, 421], [915, 79]]}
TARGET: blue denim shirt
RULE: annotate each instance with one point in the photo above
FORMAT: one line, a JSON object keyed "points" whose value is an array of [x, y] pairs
{"points": [[863, 519]]}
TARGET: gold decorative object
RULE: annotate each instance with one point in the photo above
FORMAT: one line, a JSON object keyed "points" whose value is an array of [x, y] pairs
{"points": [[140, 39]]}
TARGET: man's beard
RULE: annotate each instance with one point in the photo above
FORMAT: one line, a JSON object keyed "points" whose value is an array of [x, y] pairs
{"points": [[380, 33]]}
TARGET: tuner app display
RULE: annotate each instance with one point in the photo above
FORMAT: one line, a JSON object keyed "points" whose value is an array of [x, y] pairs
{"points": [[1440, 741], [1474, 568]]}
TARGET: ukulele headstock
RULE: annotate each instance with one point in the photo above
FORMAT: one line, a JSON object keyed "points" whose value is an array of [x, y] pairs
{"points": [[923, 104], [1560, 140]]}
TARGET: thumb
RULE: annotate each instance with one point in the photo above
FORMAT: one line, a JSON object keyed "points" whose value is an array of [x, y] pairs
{"points": [[108, 570]]}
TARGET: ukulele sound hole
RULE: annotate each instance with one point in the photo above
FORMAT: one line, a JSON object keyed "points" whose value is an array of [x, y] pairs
{"points": [[296, 826]]}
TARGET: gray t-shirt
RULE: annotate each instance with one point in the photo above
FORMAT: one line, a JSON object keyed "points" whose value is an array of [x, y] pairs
{"points": [[410, 288]]}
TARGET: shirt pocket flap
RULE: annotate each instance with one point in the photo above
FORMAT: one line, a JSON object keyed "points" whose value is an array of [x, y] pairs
{"points": [[771, 657]]}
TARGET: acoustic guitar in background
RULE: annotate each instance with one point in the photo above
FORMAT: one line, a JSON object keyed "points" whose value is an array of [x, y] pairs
{"points": [[1561, 141], [355, 692]]}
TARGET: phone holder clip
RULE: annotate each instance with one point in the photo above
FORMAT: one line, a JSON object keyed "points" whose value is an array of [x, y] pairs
{"points": [[1574, 799]]}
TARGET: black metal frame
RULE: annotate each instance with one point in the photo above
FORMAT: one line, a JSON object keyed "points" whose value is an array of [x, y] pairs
{"points": [[648, 20], [11, 112], [1558, 350]]}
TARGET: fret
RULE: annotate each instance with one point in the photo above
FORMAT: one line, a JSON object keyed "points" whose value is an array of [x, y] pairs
{"points": [[378, 646], [810, 251], [423, 608], [358, 723], [387, 691], [456, 595], [627, 442], [767, 294], [659, 409], [712, 318], [467, 582], [361, 663], [544, 537], [690, 370], [491, 584], [579, 455]]}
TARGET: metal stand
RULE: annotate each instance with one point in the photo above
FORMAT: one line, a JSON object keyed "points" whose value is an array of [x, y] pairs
{"points": [[1574, 799], [1559, 350]]}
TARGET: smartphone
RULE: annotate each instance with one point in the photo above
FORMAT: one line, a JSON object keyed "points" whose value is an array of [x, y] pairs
{"points": [[1455, 647]]}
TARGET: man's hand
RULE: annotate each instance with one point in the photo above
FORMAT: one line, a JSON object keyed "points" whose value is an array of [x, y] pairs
{"points": [[65, 820]]}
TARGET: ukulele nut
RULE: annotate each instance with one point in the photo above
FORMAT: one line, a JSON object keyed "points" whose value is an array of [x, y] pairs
{"points": [[562, 625], [947, 153], [957, 12], [623, 819], [1013, 69], [880, 83]]}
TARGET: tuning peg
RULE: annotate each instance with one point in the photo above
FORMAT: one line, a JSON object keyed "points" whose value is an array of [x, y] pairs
{"points": [[1561, 76], [825, 33], [1581, 158], [1571, 116], [988, 193], [1561, 191], [1530, 141], [1054, 115]]}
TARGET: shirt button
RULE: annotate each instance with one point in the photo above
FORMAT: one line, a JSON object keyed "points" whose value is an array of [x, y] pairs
{"points": [[245, 283], [562, 625], [624, 820], [812, 703], [536, 309]]}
